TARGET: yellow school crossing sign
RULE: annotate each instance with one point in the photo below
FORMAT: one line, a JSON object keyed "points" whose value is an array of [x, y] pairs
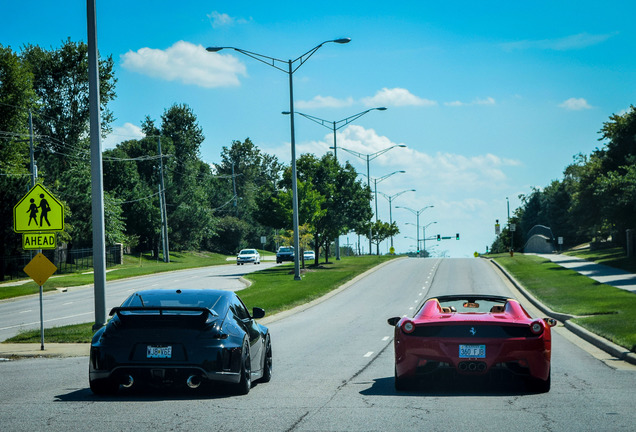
{"points": [[38, 211]]}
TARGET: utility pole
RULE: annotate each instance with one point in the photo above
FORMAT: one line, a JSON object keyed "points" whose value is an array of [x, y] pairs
{"points": [[34, 168], [97, 175], [162, 204]]}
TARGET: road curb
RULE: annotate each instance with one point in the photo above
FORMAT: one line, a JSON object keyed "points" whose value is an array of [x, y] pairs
{"points": [[596, 340]]}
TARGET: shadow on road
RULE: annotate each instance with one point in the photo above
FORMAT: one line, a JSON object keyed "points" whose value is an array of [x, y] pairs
{"points": [[452, 385], [149, 393]]}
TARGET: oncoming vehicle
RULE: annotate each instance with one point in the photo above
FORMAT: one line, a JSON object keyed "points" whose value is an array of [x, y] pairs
{"points": [[285, 253], [181, 338], [309, 255], [472, 335], [248, 256]]}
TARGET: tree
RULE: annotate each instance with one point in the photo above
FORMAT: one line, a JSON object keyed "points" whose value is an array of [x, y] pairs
{"points": [[345, 200], [60, 80], [16, 99]]}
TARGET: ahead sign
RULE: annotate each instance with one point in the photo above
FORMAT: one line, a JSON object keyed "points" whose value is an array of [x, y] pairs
{"points": [[38, 211]]}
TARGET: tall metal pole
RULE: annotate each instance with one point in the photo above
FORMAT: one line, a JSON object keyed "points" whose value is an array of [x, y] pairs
{"points": [[34, 173], [294, 182], [234, 188], [162, 201], [369, 186], [97, 183], [335, 156]]}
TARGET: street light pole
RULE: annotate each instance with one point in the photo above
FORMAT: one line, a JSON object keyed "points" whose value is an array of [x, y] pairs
{"points": [[335, 125], [370, 157], [390, 198], [271, 61], [417, 214]]}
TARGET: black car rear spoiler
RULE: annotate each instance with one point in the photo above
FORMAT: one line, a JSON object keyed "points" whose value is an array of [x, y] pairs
{"points": [[162, 309]]}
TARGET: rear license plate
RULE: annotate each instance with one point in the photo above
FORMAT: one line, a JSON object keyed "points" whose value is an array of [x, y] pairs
{"points": [[159, 352], [472, 351]]}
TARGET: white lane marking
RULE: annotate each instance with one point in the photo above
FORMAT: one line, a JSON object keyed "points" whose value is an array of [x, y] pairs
{"points": [[369, 354], [385, 338], [416, 301], [411, 308], [49, 320], [67, 303], [26, 311]]}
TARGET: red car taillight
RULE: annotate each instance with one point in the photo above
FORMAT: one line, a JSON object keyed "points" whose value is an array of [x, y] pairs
{"points": [[536, 328], [408, 327]]}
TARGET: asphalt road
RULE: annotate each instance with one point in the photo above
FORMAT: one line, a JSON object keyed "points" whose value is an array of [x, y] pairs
{"points": [[333, 371], [77, 305]]}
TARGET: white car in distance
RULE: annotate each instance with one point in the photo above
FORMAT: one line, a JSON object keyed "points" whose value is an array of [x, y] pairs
{"points": [[248, 256]]}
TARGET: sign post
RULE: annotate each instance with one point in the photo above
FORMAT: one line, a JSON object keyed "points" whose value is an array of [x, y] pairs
{"points": [[40, 270], [37, 216]]}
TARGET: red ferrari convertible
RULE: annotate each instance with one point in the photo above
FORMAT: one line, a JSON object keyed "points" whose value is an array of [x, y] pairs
{"points": [[472, 334]]}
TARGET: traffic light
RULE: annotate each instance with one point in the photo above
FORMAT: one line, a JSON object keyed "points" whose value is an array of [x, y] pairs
{"points": [[457, 236], [439, 237]]}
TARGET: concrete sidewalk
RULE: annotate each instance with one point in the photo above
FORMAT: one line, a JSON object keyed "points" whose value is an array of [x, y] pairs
{"points": [[599, 272], [9, 350]]}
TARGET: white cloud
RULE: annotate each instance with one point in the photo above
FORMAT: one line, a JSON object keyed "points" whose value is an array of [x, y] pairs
{"points": [[467, 191], [122, 133], [572, 42], [487, 101], [219, 19], [187, 63], [575, 104], [325, 102], [396, 97]]}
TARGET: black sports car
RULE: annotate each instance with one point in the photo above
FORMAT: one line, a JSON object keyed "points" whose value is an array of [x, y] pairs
{"points": [[187, 337]]}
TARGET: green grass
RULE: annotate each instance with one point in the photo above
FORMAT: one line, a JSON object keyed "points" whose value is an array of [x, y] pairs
{"points": [[605, 310], [273, 289], [133, 266], [77, 333]]}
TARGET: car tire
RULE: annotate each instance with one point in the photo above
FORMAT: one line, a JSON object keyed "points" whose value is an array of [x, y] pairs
{"points": [[267, 362], [104, 387], [537, 385], [245, 384], [401, 384]]}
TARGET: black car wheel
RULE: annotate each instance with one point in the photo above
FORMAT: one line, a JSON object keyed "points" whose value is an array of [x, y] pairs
{"points": [[536, 385], [104, 387], [401, 384], [245, 384], [267, 362]]}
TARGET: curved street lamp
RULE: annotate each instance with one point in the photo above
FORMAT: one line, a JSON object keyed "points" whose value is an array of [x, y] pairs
{"points": [[335, 125], [417, 214], [375, 188], [292, 66], [390, 198], [369, 157]]}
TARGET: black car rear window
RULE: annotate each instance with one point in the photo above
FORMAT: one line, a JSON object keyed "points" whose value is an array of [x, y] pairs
{"points": [[215, 302]]}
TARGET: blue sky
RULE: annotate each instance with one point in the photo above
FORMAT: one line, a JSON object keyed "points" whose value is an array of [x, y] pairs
{"points": [[490, 98]]}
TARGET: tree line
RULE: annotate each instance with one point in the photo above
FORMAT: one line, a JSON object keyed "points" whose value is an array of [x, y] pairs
{"points": [[595, 201], [221, 207]]}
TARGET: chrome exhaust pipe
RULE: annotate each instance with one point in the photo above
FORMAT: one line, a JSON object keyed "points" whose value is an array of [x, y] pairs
{"points": [[193, 381], [129, 382]]}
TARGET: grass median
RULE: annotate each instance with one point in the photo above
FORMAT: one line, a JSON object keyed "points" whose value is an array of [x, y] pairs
{"points": [[602, 309], [274, 289], [140, 265]]}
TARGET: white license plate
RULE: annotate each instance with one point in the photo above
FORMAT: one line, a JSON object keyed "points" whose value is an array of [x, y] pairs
{"points": [[159, 352], [472, 351]]}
